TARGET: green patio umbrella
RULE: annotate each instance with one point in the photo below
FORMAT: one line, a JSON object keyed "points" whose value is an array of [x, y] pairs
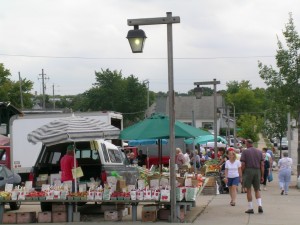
{"points": [[204, 139], [157, 127]]}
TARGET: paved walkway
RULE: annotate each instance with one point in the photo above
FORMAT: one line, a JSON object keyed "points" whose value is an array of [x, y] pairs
{"points": [[215, 209]]}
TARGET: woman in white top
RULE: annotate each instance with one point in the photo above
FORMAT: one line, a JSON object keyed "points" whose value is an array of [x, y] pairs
{"points": [[233, 175], [285, 171]]}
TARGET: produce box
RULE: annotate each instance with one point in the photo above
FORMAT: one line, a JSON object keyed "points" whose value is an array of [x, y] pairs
{"points": [[149, 216], [26, 217], [59, 217], [150, 207], [121, 184], [113, 215], [44, 217], [9, 217], [165, 214], [59, 207]]}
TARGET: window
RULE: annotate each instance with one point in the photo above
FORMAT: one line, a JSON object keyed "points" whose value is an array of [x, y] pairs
{"points": [[106, 157], [55, 157], [207, 125], [115, 155]]}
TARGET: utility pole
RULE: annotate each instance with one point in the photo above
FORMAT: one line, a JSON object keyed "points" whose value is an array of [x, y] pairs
{"points": [[53, 97], [43, 88], [21, 91]]}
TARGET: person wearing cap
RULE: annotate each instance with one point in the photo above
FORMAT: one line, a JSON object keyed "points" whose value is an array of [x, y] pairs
{"points": [[67, 164], [253, 174]]}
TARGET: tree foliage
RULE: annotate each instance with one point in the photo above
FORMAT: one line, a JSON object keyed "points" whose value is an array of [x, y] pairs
{"points": [[113, 92], [10, 90]]}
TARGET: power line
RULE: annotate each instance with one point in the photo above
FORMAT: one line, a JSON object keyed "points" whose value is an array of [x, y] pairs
{"points": [[123, 58]]}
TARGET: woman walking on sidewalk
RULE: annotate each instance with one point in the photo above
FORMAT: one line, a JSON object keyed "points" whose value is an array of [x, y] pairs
{"points": [[233, 175], [285, 172]]}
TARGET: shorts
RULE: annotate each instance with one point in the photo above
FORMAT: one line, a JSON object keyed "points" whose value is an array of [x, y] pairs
{"points": [[233, 181], [251, 177]]}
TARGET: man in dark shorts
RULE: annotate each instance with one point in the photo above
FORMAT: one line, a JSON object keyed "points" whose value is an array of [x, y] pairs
{"points": [[253, 174]]}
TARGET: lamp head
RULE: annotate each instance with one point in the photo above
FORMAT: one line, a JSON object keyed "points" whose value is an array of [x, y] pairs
{"points": [[136, 38], [198, 92]]}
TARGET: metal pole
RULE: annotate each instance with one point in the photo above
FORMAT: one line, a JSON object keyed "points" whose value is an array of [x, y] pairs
{"points": [[215, 119], [234, 127], [289, 134], [172, 119], [298, 150], [21, 91]]}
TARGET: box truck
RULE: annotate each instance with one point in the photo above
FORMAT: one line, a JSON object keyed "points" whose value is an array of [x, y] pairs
{"points": [[21, 155]]}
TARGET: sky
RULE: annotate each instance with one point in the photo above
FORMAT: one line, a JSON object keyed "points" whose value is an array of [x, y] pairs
{"points": [[71, 39]]}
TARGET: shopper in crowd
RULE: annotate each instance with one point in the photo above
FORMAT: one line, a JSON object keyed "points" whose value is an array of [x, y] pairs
{"points": [[253, 174], [187, 157], [285, 171], [141, 158], [233, 175], [67, 163], [266, 172], [196, 159], [179, 158]]}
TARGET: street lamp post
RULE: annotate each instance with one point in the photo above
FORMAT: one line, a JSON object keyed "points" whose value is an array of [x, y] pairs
{"points": [[198, 93], [147, 82], [136, 40]]}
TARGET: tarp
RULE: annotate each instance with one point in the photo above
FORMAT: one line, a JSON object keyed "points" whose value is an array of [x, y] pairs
{"points": [[204, 139], [73, 128], [157, 127], [146, 142], [4, 140]]}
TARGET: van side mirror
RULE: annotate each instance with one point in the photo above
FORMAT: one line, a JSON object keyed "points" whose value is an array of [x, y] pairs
{"points": [[1, 178]]}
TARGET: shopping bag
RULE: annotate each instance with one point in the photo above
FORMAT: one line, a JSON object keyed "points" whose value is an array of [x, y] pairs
{"points": [[270, 177], [165, 195], [77, 172]]}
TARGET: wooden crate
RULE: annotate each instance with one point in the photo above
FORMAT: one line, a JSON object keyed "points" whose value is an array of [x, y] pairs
{"points": [[149, 216], [9, 217], [44, 217], [113, 215], [26, 217], [165, 214], [59, 207], [59, 217]]}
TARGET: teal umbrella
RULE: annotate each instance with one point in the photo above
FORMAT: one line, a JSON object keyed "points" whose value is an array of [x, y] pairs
{"points": [[157, 127], [204, 139]]}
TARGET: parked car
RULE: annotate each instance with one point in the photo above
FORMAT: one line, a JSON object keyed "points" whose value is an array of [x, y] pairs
{"points": [[284, 143], [237, 142], [97, 160], [9, 177]]}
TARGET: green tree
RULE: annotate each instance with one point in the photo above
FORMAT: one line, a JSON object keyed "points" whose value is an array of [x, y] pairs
{"points": [[10, 90], [283, 84], [250, 126], [113, 92]]}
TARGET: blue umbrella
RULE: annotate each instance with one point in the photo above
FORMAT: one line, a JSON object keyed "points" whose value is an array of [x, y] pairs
{"points": [[204, 139], [146, 142]]}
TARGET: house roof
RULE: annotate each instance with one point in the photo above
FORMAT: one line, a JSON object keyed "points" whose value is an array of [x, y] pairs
{"points": [[184, 105]]}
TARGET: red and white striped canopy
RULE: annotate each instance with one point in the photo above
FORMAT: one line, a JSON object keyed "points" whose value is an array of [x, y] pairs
{"points": [[74, 128]]}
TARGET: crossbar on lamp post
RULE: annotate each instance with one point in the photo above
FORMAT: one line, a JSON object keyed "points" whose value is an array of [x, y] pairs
{"points": [[169, 20], [214, 82]]}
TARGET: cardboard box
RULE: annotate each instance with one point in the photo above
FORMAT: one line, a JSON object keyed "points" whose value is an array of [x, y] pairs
{"points": [[113, 215], [150, 207], [165, 214], [112, 207], [26, 217], [121, 184], [54, 179], [44, 217], [59, 217], [59, 208], [41, 182], [9, 217], [149, 216]]}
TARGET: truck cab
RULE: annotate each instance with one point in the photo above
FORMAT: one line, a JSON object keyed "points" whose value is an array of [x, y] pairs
{"points": [[5, 156], [97, 159]]}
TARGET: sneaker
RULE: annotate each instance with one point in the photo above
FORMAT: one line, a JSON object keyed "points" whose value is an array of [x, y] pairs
{"points": [[282, 192], [260, 209], [265, 189], [249, 211]]}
